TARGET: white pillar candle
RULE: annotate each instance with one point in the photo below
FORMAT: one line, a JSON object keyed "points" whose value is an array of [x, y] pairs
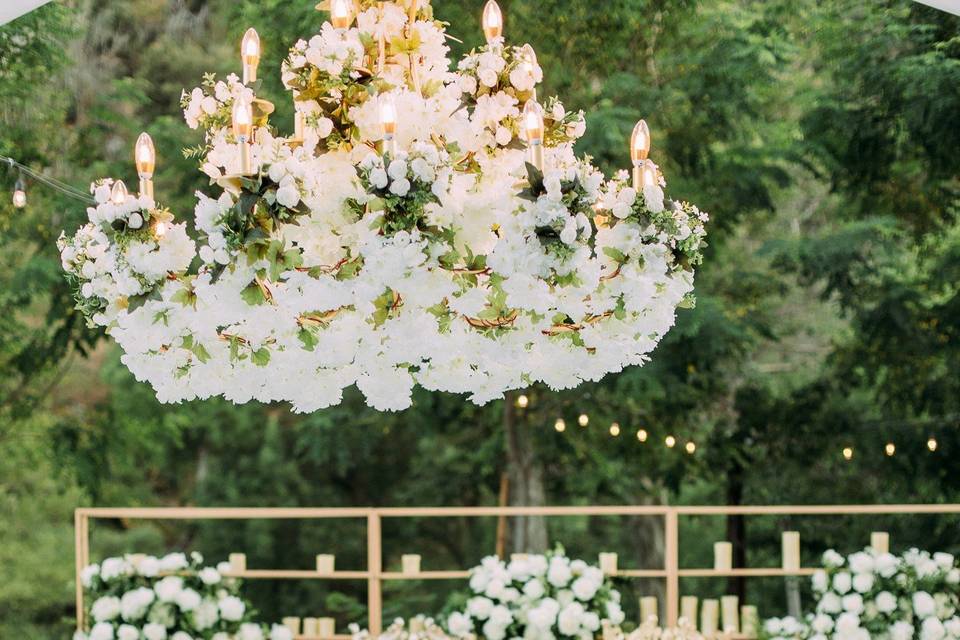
{"points": [[238, 562], [709, 617], [326, 627], [688, 610], [722, 556], [791, 550], [608, 563], [410, 563], [880, 541], [649, 609], [311, 628], [292, 624], [730, 608], [749, 621], [326, 563]]}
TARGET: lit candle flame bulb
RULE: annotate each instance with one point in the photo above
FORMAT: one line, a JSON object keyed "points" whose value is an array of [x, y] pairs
{"points": [[529, 58], [119, 193], [388, 123], [341, 14], [640, 143], [492, 22], [250, 55], [243, 129], [533, 129], [648, 174], [145, 158], [160, 229]]}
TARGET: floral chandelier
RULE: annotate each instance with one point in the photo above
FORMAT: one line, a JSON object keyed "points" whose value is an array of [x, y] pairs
{"points": [[420, 226]]}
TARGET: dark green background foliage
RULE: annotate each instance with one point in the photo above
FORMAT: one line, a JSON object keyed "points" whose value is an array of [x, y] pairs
{"points": [[823, 138]]}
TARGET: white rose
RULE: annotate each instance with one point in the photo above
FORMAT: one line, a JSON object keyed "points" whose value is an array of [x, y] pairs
{"points": [[584, 588], [569, 233], [842, 582], [493, 631], [128, 632], [901, 631], [503, 136], [378, 178], [932, 629], [822, 624], [853, 602], [400, 187], [324, 127], [397, 170], [135, 221], [886, 565], [181, 635], [169, 588], [494, 589], [943, 560], [861, 562], [953, 626], [250, 631], [154, 631], [459, 624], [279, 633], [847, 623], [105, 608], [533, 589], [231, 608], [188, 600], [479, 607], [209, 576], [488, 77], [832, 559], [830, 603], [615, 613], [863, 582], [568, 622], [102, 631], [924, 605], [288, 195], [205, 616], [886, 602], [819, 581]]}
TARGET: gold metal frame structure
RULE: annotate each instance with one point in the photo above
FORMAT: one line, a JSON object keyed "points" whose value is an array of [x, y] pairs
{"points": [[375, 576]]}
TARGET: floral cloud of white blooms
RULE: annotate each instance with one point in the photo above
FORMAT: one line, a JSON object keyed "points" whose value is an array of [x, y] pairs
{"points": [[450, 263]]}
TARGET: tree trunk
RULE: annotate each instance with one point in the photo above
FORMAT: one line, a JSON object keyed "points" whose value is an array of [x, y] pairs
{"points": [[737, 531], [647, 540], [527, 534]]}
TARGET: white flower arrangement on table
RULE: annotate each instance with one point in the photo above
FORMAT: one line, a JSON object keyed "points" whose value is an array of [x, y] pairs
{"points": [[538, 597], [420, 628], [868, 595], [175, 597], [650, 630], [337, 260]]}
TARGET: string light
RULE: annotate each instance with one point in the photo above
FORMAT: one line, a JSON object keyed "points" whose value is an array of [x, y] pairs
{"points": [[560, 425], [890, 449], [615, 429], [848, 453], [670, 441], [583, 420], [20, 194], [642, 435], [62, 187], [691, 447], [932, 443], [523, 401]]}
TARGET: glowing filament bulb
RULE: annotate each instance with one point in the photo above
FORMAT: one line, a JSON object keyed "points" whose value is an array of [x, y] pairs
{"points": [[242, 119], [19, 194], [642, 435], [250, 55], [492, 21], [847, 453], [533, 122], [670, 441], [583, 420], [388, 116], [560, 425], [118, 195], [341, 14], [932, 444], [640, 143], [890, 449], [615, 429], [529, 59], [691, 447], [145, 156], [523, 402]]}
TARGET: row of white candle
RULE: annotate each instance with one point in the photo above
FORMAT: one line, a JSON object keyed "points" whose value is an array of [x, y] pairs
{"points": [[326, 564], [790, 541], [311, 627]]}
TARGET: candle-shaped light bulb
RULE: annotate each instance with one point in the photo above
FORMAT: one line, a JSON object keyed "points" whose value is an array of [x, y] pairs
{"points": [[19, 194], [160, 229], [492, 22], [118, 195], [341, 14], [243, 129], [648, 174], [145, 157], [533, 129], [640, 143], [250, 55], [242, 119], [529, 59], [388, 123]]}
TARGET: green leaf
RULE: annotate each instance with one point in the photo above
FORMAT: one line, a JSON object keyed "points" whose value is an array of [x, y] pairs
{"points": [[261, 357], [252, 294]]}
